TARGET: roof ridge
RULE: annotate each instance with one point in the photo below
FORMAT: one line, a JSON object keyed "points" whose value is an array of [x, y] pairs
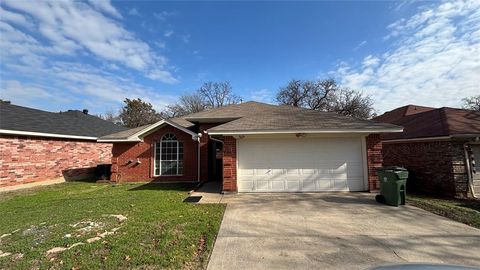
{"points": [[444, 120]]}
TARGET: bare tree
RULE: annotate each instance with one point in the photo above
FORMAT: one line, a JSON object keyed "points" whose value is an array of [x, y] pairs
{"points": [[319, 93], [187, 104], [472, 103], [326, 95], [309, 94], [111, 116], [218, 94], [209, 95], [137, 112], [352, 103], [292, 94]]}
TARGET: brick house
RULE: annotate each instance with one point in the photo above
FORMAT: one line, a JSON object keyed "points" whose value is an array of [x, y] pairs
{"points": [[438, 147], [39, 147], [254, 147]]}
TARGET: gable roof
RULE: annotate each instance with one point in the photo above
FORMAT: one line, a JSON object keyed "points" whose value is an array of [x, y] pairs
{"points": [[401, 112], [18, 120], [432, 122], [137, 134], [254, 117]]}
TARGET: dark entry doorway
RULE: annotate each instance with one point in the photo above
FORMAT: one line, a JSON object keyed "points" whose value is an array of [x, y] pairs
{"points": [[215, 161]]}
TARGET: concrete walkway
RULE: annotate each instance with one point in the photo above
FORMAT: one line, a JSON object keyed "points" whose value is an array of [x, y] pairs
{"points": [[209, 192], [335, 231]]}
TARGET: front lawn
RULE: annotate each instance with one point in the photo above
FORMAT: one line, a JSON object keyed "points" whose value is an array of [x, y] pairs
{"points": [[83, 226], [465, 211]]}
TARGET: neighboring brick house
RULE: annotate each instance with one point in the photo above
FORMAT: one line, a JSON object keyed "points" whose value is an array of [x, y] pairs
{"points": [[254, 147], [39, 147], [438, 147]]}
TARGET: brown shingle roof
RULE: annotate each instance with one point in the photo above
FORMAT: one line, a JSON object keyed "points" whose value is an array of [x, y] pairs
{"points": [[255, 116], [391, 116], [432, 122], [265, 117], [230, 112]]}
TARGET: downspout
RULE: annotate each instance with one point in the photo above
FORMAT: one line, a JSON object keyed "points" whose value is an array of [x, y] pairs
{"points": [[469, 171], [199, 135]]}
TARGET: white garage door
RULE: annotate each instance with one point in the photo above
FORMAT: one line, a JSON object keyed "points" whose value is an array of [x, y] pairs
{"points": [[300, 165]]}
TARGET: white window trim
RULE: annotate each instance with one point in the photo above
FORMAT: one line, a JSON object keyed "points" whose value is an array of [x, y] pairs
{"points": [[160, 159]]}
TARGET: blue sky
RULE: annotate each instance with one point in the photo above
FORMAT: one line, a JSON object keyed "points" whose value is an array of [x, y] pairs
{"points": [[59, 55]]}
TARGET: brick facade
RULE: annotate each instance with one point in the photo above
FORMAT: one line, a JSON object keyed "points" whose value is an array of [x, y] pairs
{"points": [[374, 160], [229, 164], [125, 155], [26, 160], [126, 169], [435, 167]]}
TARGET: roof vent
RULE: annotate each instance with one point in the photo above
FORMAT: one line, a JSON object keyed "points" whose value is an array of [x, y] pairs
{"points": [[85, 111]]}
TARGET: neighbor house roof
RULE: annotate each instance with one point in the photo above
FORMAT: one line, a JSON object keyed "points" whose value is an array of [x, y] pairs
{"points": [[425, 122], [18, 120]]}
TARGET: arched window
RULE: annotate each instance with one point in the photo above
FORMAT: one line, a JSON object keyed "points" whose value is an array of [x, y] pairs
{"points": [[168, 156]]}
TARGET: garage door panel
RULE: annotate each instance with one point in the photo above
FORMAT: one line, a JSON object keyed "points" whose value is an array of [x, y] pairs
{"points": [[293, 171], [308, 184], [278, 185], [293, 185], [324, 184], [306, 165], [246, 172], [246, 185], [308, 171], [261, 185]]}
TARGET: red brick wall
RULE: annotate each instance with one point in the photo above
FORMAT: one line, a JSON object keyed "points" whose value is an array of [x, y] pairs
{"points": [[435, 167], [33, 159], [374, 160], [123, 171], [229, 164]]}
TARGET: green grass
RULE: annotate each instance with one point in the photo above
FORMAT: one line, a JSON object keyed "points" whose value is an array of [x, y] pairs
{"points": [[462, 210], [161, 231]]}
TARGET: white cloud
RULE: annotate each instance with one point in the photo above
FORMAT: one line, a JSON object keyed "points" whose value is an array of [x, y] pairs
{"points": [[71, 84], [435, 60], [133, 12], [361, 44], [186, 38], [15, 18], [106, 7], [370, 61], [45, 47], [75, 27], [160, 44], [163, 15], [162, 75], [28, 93], [168, 33]]}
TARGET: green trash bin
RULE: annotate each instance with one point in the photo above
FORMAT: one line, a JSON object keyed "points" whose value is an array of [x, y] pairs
{"points": [[393, 181]]}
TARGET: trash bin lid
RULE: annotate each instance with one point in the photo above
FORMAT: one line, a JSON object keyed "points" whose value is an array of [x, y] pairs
{"points": [[392, 168]]}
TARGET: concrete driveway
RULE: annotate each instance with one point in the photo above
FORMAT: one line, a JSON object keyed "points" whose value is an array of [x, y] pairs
{"points": [[335, 231]]}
